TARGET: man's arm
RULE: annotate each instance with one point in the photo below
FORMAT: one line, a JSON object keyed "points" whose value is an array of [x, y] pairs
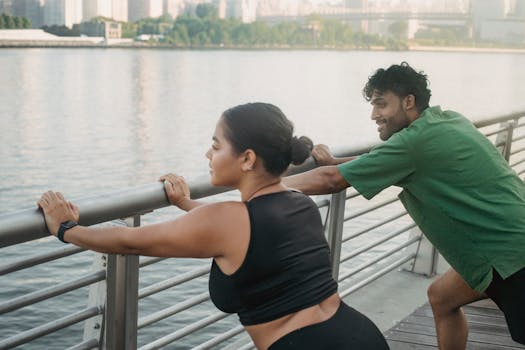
{"points": [[322, 180]]}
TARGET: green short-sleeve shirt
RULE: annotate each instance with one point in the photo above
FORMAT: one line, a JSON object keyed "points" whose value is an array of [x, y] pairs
{"points": [[458, 189]]}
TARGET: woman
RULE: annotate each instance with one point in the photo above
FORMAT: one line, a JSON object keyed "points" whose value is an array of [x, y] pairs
{"points": [[271, 261]]}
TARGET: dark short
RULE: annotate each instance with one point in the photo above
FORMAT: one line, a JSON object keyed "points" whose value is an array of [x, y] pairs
{"points": [[509, 295], [347, 329]]}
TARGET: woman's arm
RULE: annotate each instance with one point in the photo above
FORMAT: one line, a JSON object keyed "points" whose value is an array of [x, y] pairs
{"points": [[211, 230]]}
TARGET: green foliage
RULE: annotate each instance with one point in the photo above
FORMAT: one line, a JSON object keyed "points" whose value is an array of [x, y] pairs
{"points": [[443, 35], [399, 30], [206, 11], [62, 30], [14, 22], [205, 29]]}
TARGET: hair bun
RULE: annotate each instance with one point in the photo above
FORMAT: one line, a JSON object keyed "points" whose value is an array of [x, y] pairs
{"points": [[300, 149]]}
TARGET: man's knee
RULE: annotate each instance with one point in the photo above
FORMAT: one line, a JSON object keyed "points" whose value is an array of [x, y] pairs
{"points": [[435, 295]]}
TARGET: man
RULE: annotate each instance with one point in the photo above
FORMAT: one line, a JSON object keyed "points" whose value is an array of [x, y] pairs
{"points": [[456, 186]]}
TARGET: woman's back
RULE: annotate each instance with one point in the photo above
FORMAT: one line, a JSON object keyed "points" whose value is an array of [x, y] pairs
{"points": [[287, 264]]}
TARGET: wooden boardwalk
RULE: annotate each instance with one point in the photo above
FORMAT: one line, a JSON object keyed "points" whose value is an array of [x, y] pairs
{"points": [[487, 329]]}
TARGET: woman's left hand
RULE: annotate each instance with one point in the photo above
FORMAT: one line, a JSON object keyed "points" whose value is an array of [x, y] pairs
{"points": [[177, 190], [57, 210]]}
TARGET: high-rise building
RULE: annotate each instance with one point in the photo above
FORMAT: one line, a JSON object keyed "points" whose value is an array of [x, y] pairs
{"points": [[30, 9], [62, 12], [245, 10], [119, 10], [172, 7], [138, 9], [96, 8], [356, 4], [520, 8], [6, 6]]}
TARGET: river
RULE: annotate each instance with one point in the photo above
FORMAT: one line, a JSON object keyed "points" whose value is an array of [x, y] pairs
{"points": [[90, 121]]}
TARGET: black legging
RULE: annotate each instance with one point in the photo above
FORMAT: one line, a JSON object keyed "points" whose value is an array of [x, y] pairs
{"points": [[346, 329]]}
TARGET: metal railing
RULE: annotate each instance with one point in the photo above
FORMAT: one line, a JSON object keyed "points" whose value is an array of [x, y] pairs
{"points": [[126, 295]]}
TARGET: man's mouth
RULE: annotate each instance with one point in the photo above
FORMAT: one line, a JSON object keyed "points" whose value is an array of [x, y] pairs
{"points": [[380, 125]]}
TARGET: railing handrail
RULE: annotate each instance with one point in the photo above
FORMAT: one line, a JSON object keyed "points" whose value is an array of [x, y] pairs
{"points": [[28, 224]]}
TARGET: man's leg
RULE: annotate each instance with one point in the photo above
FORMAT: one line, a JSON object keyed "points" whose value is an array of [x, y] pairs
{"points": [[446, 296]]}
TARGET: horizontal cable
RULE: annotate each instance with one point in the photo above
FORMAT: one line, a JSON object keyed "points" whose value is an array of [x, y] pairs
{"points": [[518, 138], [220, 338], [248, 346], [379, 258], [50, 292], [373, 227], [372, 208], [149, 261], [50, 327], [167, 339], [86, 345], [322, 203], [40, 259], [172, 310], [376, 243], [171, 282], [376, 275], [517, 162], [497, 131], [517, 150]]}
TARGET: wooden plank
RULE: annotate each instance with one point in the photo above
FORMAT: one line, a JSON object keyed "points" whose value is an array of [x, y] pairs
{"points": [[487, 329], [397, 345]]}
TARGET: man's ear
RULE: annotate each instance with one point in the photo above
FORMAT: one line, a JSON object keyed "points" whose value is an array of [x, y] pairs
{"points": [[409, 102], [248, 158]]}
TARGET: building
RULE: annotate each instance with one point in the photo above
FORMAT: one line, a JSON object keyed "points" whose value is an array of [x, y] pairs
{"points": [[499, 20], [62, 12], [245, 10], [138, 9], [96, 8], [356, 4], [115, 9], [30, 9], [106, 29], [119, 10]]}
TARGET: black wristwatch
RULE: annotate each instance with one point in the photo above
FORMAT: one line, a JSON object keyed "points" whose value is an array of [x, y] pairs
{"points": [[66, 225]]}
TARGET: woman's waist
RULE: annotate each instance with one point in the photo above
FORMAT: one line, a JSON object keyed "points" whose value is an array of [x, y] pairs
{"points": [[264, 334]]}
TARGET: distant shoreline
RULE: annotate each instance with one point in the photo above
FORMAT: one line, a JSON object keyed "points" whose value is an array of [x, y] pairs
{"points": [[4, 44]]}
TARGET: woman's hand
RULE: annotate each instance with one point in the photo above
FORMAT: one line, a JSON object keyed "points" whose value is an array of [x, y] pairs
{"points": [[176, 189], [57, 210]]}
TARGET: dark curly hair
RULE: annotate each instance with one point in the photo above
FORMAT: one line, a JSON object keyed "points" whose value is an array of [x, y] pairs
{"points": [[402, 80], [265, 129]]}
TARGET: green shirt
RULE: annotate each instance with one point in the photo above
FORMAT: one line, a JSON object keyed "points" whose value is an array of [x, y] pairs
{"points": [[458, 189]]}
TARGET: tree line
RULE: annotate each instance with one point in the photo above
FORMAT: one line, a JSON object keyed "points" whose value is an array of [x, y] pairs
{"points": [[14, 22]]}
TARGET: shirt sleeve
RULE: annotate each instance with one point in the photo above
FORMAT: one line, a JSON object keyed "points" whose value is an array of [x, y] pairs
{"points": [[385, 165]]}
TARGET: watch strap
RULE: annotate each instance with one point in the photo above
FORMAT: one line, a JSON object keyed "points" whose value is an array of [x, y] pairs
{"points": [[66, 225]]}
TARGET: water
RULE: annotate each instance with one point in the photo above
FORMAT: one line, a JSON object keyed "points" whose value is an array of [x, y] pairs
{"points": [[90, 121]]}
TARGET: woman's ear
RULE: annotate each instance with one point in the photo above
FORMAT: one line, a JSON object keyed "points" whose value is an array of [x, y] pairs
{"points": [[248, 160]]}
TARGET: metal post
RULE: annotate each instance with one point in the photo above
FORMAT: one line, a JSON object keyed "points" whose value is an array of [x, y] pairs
{"points": [[93, 327], [122, 299], [506, 138], [427, 256], [335, 229]]}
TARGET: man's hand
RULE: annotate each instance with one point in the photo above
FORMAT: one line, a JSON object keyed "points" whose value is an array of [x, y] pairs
{"points": [[321, 154]]}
